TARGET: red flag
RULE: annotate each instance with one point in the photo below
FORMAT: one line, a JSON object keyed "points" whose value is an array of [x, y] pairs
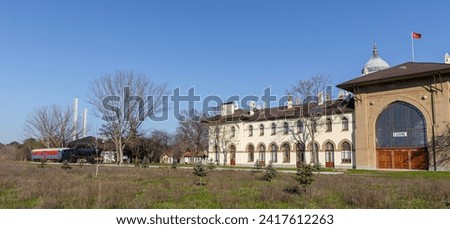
{"points": [[416, 35]]}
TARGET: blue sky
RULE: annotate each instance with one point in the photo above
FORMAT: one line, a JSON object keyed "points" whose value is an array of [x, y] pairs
{"points": [[50, 51]]}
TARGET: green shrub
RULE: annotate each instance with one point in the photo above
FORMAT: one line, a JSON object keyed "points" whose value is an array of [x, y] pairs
{"points": [[304, 176], [317, 167], [269, 172], [174, 164], [201, 171]]}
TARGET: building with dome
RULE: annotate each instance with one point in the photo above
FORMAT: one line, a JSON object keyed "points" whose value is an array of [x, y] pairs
{"points": [[375, 63], [394, 118]]}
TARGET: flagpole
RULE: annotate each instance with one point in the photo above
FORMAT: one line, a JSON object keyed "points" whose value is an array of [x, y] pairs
{"points": [[412, 46]]}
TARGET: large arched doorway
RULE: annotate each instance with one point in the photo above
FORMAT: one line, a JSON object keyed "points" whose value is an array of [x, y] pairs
{"points": [[401, 138]]}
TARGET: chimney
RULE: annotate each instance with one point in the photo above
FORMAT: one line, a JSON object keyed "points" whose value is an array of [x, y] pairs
{"points": [[447, 58], [227, 109], [85, 122], [252, 105], [75, 119], [289, 102], [320, 98]]}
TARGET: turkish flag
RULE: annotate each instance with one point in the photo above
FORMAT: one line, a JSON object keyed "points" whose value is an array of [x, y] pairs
{"points": [[416, 35]]}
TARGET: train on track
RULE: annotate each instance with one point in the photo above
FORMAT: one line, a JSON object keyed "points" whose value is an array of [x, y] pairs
{"points": [[72, 155]]}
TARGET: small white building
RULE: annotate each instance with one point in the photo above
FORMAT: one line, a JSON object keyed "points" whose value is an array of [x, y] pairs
{"points": [[284, 135], [192, 158]]}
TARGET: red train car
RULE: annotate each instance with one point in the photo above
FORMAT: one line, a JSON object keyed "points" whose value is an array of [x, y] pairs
{"points": [[54, 154]]}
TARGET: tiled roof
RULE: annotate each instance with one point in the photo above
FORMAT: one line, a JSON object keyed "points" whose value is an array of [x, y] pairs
{"points": [[330, 107], [193, 154], [403, 71]]}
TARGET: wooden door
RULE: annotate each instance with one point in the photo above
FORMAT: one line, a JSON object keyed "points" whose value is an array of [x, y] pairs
{"points": [[233, 158], [329, 159], [402, 158]]}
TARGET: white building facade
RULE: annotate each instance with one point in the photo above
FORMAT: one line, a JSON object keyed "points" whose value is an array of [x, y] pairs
{"points": [[285, 136]]}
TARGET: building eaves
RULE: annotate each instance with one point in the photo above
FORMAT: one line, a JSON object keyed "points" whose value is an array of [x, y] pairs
{"points": [[408, 70]]}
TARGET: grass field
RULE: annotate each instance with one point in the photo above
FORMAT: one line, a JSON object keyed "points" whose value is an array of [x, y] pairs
{"points": [[24, 185]]}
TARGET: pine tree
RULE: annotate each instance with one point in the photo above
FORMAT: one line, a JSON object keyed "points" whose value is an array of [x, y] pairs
{"points": [[269, 172], [304, 176], [200, 170]]}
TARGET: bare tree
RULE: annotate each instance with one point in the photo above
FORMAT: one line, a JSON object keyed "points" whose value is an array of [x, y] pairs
{"points": [[14, 151], [192, 134], [220, 137], [53, 125], [123, 101], [157, 144], [310, 114]]}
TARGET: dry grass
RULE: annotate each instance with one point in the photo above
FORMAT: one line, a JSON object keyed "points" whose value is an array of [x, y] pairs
{"points": [[24, 185]]}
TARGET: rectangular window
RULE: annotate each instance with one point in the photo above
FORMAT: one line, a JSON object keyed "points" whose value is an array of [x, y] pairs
{"points": [[329, 125], [344, 124], [346, 156]]}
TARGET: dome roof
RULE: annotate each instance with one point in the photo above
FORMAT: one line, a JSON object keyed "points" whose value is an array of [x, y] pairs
{"points": [[375, 63]]}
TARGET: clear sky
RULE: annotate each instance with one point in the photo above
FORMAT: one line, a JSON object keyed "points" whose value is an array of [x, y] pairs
{"points": [[50, 51]]}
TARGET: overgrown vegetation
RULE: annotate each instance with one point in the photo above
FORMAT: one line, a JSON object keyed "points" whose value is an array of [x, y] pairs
{"points": [[304, 178], [24, 185], [66, 165], [317, 167], [42, 164]]}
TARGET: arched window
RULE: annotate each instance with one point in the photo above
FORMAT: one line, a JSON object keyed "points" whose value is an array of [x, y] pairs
{"points": [[329, 146], [273, 153], [250, 131], [344, 123], [232, 155], [262, 153], [286, 128], [346, 152], [401, 137], [251, 153], [329, 155], [261, 130], [329, 125], [233, 131], [274, 128], [286, 153], [401, 125], [299, 127]]}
